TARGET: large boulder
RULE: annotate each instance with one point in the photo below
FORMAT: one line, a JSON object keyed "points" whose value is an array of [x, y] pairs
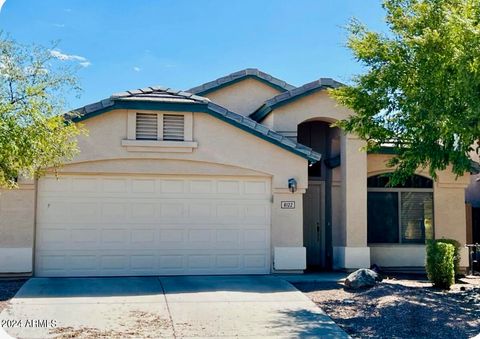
{"points": [[362, 278]]}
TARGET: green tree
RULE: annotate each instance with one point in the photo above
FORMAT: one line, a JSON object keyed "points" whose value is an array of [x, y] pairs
{"points": [[34, 135], [420, 92]]}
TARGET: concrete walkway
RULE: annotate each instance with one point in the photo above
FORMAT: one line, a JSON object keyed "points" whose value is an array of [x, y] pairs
{"points": [[205, 306]]}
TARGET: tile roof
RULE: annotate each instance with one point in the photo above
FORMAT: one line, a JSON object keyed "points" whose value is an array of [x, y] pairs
{"points": [[237, 76], [265, 132], [290, 95], [162, 96], [152, 94], [159, 94]]}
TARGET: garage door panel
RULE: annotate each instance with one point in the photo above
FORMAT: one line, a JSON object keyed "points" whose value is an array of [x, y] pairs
{"points": [[256, 187], [144, 186], [172, 186], [113, 212], [114, 226], [84, 185], [150, 263], [53, 238], [201, 186]]}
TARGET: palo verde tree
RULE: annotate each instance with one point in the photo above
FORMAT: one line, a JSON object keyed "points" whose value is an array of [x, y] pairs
{"points": [[420, 93], [34, 135]]}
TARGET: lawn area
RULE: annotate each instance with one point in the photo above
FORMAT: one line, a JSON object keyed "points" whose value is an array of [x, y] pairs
{"points": [[8, 288], [401, 307]]}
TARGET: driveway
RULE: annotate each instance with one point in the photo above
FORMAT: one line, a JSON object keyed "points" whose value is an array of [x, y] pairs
{"points": [[200, 306]]}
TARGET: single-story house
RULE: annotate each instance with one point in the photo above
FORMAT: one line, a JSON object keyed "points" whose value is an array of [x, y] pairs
{"points": [[240, 175]]}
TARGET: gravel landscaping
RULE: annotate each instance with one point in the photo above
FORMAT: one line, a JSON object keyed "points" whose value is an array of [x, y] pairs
{"points": [[8, 288], [402, 307]]}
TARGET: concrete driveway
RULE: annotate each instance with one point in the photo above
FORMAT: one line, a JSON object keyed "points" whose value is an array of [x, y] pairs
{"points": [[200, 306]]}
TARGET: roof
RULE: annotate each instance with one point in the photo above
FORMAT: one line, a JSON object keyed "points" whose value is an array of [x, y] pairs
{"points": [[241, 75], [164, 98], [148, 94], [291, 95]]}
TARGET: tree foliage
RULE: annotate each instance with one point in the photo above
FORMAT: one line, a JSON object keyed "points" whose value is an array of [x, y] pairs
{"points": [[420, 93], [34, 135]]}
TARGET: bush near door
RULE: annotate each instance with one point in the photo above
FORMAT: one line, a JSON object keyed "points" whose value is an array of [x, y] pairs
{"points": [[456, 255], [440, 263]]}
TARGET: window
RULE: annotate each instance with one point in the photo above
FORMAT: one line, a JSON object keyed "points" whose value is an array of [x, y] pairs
{"points": [[400, 214]]}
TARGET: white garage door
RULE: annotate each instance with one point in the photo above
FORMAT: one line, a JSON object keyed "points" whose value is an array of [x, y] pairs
{"points": [[131, 225]]}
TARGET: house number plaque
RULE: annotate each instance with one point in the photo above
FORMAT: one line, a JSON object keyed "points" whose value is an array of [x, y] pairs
{"points": [[289, 205]]}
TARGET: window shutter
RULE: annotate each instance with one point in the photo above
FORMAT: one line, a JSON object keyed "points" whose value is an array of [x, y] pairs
{"points": [[147, 126], [173, 127]]}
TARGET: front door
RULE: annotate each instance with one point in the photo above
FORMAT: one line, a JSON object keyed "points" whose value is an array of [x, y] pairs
{"points": [[314, 224]]}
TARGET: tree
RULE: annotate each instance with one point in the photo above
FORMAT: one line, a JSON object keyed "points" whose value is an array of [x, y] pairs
{"points": [[34, 135], [420, 93]]}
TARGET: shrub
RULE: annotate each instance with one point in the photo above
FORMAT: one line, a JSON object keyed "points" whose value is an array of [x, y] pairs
{"points": [[456, 255], [440, 263]]}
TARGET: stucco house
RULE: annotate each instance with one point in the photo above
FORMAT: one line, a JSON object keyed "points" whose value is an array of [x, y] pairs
{"points": [[241, 175]]}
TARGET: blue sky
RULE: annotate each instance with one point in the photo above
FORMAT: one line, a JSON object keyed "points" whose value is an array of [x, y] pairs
{"points": [[124, 44]]}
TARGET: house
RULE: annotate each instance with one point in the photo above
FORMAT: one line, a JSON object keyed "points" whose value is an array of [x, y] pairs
{"points": [[241, 175]]}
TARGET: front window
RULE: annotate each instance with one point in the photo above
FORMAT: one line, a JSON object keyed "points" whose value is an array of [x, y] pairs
{"points": [[400, 214]]}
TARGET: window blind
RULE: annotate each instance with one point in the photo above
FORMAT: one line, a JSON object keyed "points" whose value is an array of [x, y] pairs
{"points": [[416, 215]]}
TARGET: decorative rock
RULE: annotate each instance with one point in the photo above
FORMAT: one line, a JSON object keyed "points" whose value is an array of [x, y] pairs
{"points": [[362, 278]]}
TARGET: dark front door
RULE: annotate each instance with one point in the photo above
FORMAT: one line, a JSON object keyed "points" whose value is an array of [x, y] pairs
{"points": [[314, 225]]}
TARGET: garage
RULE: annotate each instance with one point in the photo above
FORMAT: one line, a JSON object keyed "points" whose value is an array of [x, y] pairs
{"points": [[120, 225]]}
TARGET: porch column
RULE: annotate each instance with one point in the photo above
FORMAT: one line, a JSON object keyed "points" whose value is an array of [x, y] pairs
{"points": [[355, 253], [289, 254]]}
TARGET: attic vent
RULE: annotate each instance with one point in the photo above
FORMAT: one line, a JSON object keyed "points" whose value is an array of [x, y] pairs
{"points": [[147, 126], [173, 127]]}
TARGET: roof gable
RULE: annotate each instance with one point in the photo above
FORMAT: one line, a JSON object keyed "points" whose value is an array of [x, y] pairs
{"points": [[239, 76], [292, 95], [164, 98]]}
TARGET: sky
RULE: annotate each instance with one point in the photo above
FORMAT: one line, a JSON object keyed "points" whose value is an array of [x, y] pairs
{"points": [[121, 45]]}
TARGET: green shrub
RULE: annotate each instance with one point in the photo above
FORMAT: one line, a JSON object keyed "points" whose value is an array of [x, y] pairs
{"points": [[456, 255], [440, 263]]}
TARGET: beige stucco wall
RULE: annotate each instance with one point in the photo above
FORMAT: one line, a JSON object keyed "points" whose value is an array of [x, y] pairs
{"points": [[317, 105], [219, 144], [243, 97], [16, 216], [16, 228], [449, 212]]}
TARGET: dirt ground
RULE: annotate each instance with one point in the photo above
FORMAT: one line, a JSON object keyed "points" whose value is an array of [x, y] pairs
{"points": [[8, 288], [402, 307]]}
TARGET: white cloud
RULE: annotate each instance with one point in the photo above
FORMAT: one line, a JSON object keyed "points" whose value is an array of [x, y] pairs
{"points": [[57, 25], [70, 57], [137, 69], [2, 2], [67, 57]]}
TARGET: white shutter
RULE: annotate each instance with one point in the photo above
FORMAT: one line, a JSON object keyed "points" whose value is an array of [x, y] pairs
{"points": [[147, 126], [173, 127]]}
